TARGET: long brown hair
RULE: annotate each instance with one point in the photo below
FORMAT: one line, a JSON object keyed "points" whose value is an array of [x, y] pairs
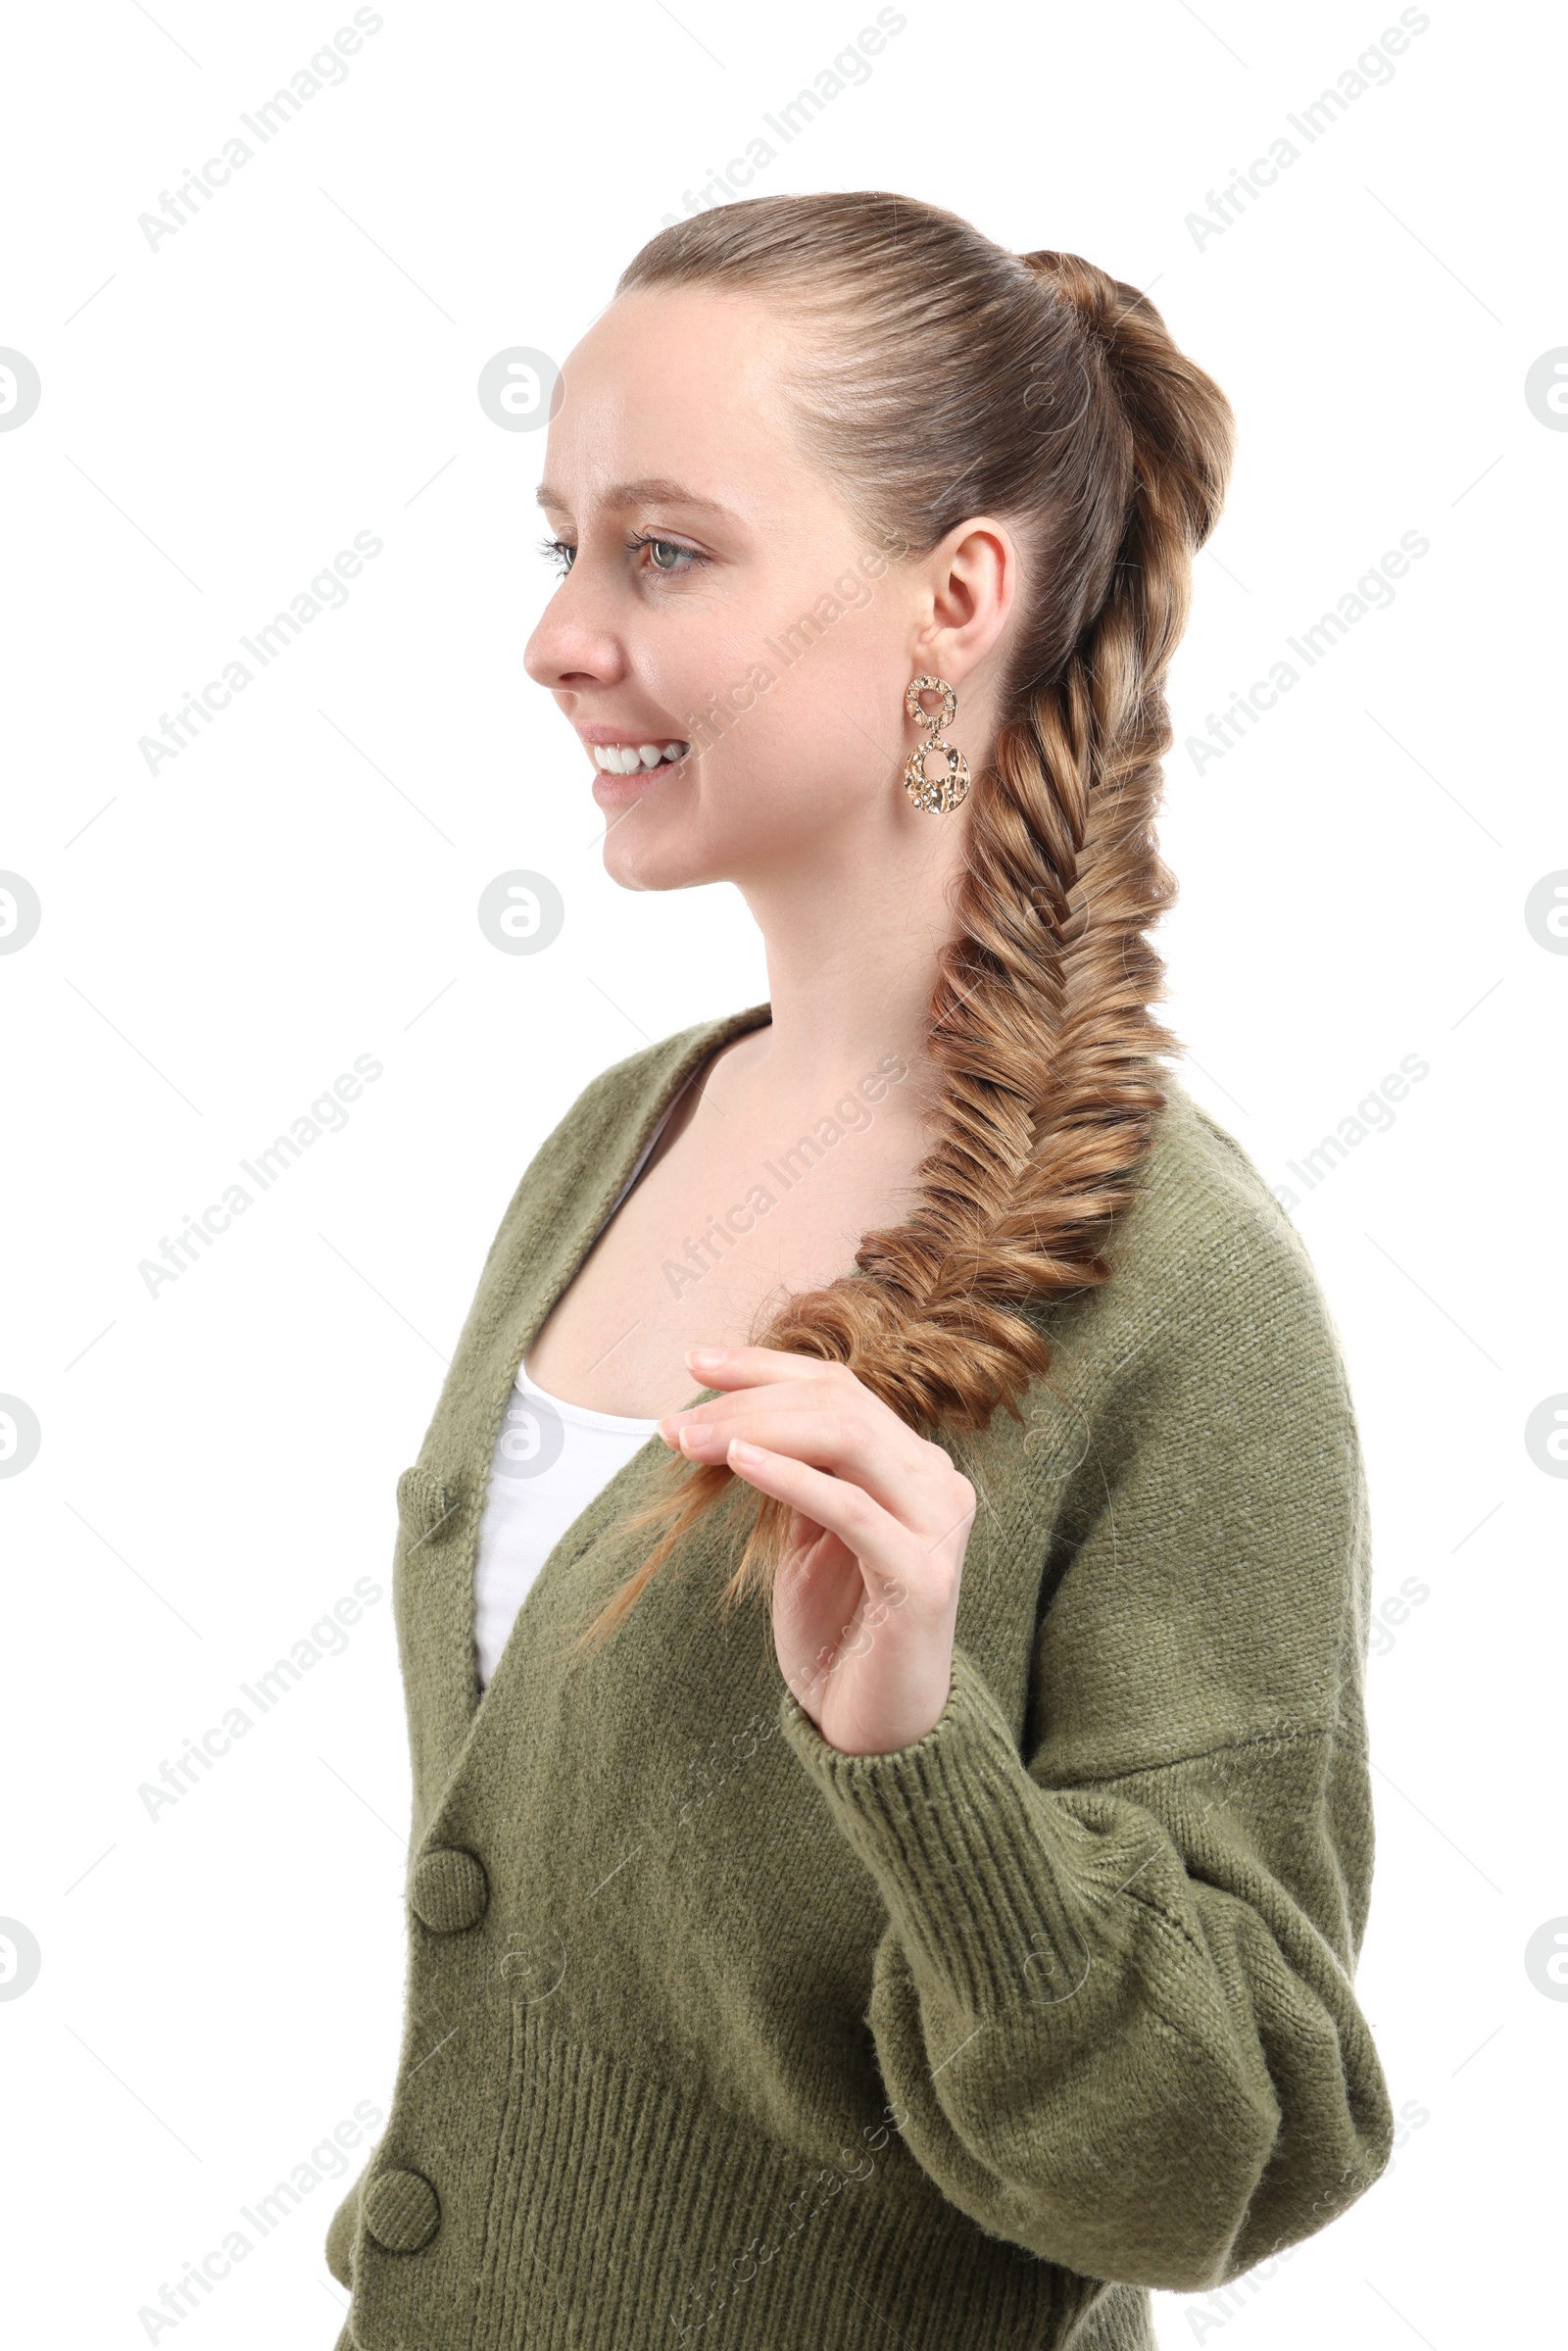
{"points": [[946, 378]]}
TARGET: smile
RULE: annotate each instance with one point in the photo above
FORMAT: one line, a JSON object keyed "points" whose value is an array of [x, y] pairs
{"points": [[625, 759]]}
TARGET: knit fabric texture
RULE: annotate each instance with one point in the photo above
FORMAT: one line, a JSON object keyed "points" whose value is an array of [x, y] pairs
{"points": [[717, 2036]]}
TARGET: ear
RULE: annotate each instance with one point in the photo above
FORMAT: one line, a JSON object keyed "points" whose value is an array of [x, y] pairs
{"points": [[971, 585]]}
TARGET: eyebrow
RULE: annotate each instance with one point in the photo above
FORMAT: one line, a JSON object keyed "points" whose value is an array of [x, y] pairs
{"points": [[657, 490]]}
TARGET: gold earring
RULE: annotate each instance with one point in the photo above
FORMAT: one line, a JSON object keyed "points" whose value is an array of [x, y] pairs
{"points": [[940, 793]]}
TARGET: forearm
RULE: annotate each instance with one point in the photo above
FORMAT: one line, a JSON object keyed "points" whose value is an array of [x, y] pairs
{"points": [[1126, 2069]]}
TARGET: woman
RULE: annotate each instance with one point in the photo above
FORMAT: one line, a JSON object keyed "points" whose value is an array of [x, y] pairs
{"points": [[959, 1943]]}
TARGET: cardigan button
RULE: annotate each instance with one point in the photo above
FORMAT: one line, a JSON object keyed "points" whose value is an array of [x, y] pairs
{"points": [[449, 1889], [402, 2211]]}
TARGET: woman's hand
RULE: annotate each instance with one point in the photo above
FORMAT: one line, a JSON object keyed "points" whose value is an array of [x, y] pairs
{"points": [[868, 1592]]}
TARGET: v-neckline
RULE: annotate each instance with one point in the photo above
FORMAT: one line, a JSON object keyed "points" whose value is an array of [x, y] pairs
{"points": [[569, 1260]]}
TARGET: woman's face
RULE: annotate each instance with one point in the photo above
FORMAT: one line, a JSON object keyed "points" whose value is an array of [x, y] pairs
{"points": [[718, 595]]}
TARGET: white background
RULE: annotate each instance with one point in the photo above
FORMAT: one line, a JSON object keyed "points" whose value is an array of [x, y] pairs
{"points": [[219, 416]]}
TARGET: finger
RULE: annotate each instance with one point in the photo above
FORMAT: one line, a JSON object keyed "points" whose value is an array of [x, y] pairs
{"points": [[813, 1386], [882, 1545], [833, 1391], [784, 1394], [909, 1477], [749, 1366]]}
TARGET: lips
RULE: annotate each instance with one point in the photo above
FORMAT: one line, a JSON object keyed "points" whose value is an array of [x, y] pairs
{"points": [[629, 758]]}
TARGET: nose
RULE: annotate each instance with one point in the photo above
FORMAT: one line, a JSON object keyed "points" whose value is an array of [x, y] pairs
{"points": [[572, 649]]}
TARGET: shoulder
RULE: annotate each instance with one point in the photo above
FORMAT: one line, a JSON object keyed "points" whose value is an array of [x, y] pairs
{"points": [[1207, 1208], [631, 1093], [612, 1118], [1211, 1285], [1203, 1189]]}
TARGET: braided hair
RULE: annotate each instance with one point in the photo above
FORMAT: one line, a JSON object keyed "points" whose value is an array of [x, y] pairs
{"points": [[939, 376]]}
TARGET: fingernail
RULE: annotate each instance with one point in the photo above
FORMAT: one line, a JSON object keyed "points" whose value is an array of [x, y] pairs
{"points": [[740, 1451], [702, 1358]]}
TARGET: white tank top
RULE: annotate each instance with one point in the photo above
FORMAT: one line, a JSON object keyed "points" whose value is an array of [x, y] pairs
{"points": [[551, 1460]]}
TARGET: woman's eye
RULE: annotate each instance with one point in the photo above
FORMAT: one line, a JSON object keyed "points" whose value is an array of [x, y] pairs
{"points": [[665, 555]]}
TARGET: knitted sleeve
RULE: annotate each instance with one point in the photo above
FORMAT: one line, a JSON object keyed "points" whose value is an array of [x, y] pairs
{"points": [[1113, 2004]]}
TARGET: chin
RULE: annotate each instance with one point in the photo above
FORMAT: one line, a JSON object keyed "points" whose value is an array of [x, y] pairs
{"points": [[655, 872], [666, 835], [655, 850]]}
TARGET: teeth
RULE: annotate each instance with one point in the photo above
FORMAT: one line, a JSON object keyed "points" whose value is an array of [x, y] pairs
{"points": [[629, 758]]}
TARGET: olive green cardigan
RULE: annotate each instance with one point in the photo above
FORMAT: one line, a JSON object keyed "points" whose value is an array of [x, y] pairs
{"points": [[716, 2036]]}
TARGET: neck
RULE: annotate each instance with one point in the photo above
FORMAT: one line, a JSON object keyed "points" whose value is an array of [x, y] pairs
{"points": [[852, 946]]}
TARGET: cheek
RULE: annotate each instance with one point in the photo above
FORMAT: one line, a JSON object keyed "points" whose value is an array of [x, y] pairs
{"points": [[703, 666], [795, 766], [814, 712], [799, 724]]}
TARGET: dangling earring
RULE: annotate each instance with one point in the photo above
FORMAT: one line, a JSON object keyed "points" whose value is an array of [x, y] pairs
{"points": [[940, 793]]}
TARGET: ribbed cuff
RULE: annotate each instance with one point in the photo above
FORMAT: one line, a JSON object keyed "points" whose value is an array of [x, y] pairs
{"points": [[976, 1862]]}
